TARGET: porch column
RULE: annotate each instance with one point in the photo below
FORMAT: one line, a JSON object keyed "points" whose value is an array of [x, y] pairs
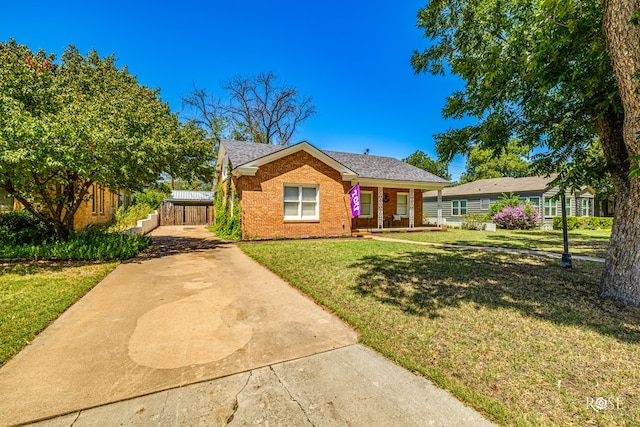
{"points": [[439, 208], [380, 210], [411, 209]]}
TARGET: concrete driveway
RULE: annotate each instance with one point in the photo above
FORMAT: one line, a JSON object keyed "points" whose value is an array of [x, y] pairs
{"points": [[193, 332]]}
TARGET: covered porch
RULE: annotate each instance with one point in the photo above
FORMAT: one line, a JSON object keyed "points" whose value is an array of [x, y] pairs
{"points": [[394, 206]]}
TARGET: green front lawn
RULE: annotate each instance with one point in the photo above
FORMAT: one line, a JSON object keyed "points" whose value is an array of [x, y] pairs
{"points": [[581, 242], [33, 294], [516, 337]]}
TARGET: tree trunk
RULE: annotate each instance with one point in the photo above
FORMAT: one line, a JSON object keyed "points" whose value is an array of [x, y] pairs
{"points": [[621, 277]]}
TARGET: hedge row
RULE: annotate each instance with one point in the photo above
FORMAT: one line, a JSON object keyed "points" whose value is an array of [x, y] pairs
{"points": [[588, 222]]}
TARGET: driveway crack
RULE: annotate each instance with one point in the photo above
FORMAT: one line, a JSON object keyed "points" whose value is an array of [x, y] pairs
{"points": [[75, 419], [164, 406], [291, 396], [234, 408]]}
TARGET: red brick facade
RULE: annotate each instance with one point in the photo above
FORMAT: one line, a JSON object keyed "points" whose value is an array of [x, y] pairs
{"points": [[262, 200]]}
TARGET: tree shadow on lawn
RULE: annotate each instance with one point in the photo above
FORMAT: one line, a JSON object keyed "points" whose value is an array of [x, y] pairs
{"points": [[549, 241], [27, 267], [422, 283]]}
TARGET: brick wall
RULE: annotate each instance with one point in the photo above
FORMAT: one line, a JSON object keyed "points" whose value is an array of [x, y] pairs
{"points": [[105, 206], [262, 199], [389, 208]]}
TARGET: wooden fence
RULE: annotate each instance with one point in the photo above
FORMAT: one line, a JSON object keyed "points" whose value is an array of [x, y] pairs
{"points": [[172, 214]]}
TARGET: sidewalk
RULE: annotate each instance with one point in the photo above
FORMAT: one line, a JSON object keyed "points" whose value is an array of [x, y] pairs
{"points": [[194, 332], [490, 249]]}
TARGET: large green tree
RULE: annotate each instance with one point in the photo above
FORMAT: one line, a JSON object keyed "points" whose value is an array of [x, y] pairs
{"points": [[421, 160], [65, 125], [485, 163], [554, 74]]}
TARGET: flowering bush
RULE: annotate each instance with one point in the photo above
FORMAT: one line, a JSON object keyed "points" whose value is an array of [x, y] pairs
{"points": [[521, 217]]}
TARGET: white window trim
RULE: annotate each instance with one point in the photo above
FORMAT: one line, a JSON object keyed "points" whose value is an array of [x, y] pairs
{"points": [[225, 171], [588, 203], [459, 208], [553, 208], [299, 217], [371, 193], [402, 194]]}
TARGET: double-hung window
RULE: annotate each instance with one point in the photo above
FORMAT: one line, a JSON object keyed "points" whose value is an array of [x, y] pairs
{"points": [[553, 208], [458, 207], [586, 207], [402, 206], [535, 201], [366, 204], [301, 202], [550, 207]]}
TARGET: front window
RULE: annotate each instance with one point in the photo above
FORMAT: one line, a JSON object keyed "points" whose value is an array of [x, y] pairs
{"points": [[458, 207], [586, 207], [300, 202], [94, 200], [402, 207], [550, 208], [366, 204], [553, 208]]}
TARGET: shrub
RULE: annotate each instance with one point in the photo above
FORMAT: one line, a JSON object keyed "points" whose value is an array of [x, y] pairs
{"points": [[587, 222], [21, 227], [91, 244], [473, 221], [150, 197], [599, 222], [522, 217]]}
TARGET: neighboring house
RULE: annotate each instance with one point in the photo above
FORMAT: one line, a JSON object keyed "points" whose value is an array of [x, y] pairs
{"points": [[476, 197], [7, 202], [100, 208], [301, 191]]}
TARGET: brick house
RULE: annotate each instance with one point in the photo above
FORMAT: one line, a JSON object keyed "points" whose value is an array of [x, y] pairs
{"points": [[99, 208], [301, 191]]}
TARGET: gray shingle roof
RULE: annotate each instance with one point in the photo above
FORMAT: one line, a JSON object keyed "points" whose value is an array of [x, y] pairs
{"points": [[366, 166], [497, 186], [241, 152], [377, 167]]}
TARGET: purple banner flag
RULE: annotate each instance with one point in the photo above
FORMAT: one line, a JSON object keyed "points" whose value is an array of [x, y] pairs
{"points": [[354, 195]]}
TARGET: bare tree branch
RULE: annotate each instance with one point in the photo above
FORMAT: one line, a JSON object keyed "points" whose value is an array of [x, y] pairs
{"points": [[269, 112]]}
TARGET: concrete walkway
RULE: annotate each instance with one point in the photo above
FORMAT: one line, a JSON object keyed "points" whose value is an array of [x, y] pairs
{"points": [[194, 332], [490, 249]]}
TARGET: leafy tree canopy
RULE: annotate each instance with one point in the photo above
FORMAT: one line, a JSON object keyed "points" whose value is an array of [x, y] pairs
{"points": [[538, 71], [65, 125], [555, 74], [421, 160], [486, 163]]}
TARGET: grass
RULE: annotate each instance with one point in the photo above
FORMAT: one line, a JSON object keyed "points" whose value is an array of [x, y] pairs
{"points": [[33, 294], [516, 337], [581, 242]]}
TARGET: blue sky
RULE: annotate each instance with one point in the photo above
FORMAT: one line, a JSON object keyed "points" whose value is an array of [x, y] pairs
{"points": [[351, 57]]}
